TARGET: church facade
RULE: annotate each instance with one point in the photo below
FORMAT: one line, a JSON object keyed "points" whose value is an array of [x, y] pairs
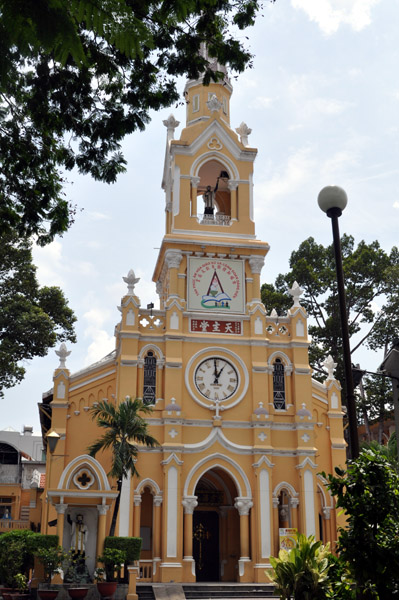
{"points": [[244, 430]]}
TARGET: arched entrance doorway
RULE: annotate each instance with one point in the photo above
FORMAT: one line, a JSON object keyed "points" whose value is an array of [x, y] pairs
{"points": [[216, 528]]}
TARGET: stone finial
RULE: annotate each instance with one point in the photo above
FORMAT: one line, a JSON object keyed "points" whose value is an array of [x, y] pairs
{"points": [[274, 314], [214, 104], [171, 124], [243, 131], [131, 281], [330, 366], [62, 354], [296, 292]]}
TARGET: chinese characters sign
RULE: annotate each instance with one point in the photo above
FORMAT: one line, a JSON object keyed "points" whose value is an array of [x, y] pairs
{"points": [[212, 326], [216, 284]]}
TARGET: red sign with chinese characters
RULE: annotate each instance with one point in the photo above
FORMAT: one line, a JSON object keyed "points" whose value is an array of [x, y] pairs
{"points": [[214, 326]]}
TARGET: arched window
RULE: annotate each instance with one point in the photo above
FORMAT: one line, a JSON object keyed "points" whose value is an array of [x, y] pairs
{"points": [[278, 385], [8, 455], [284, 510], [150, 378]]}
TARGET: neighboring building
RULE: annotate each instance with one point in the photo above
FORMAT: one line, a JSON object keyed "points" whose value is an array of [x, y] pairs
{"points": [[244, 429], [22, 475]]}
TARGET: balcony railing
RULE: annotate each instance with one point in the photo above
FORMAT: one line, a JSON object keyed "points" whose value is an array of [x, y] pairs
{"points": [[9, 524], [145, 571], [218, 220]]}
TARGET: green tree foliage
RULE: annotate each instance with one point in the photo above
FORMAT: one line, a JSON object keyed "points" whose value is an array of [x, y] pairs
{"points": [[124, 425], [389, 451], [32, 318], [368, 493], [371, 279], [17, 550], [77, 76], [302, 573]]}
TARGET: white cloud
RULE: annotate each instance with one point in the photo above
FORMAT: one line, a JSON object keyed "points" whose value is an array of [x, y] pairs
{"points": [[98, 216], [298, 169], [102, 342], [331, 14], [95, 318], [261, 102], [396, 204], [327, 106], [49, 263]]}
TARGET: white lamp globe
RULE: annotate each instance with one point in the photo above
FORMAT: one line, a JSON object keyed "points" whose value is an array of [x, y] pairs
{"points": [[332, 196]]}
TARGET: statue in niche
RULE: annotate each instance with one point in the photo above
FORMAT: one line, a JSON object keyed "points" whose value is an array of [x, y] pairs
{"points": [[77, 571]]}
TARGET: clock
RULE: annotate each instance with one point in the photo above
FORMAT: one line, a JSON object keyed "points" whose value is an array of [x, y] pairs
{"points": [[216, 378]]}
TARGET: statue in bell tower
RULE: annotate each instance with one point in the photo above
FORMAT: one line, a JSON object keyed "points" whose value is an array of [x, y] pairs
{"points": [[209, 200]]}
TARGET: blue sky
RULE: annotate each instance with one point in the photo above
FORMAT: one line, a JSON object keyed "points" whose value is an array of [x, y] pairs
{"points": [[322, 101]]}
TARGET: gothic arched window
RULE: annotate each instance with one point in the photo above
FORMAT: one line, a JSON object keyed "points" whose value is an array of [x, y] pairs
{"points": [[278, 385], [150, 378]]}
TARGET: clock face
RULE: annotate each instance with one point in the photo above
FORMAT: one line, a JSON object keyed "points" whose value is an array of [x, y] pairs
{"points": [[216, 378]]}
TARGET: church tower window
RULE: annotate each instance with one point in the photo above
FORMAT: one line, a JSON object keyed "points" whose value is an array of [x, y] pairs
{"points": [[278, 385], [150, 378], [196, 103]]}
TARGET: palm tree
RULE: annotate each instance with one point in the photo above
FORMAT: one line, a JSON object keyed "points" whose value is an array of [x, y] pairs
{"points": [[124, 426]]}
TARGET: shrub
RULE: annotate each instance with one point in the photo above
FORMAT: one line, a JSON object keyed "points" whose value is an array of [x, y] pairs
{"points": [[112, 560], [302, 573], [17, 548], [368, 493], [131, 546]]}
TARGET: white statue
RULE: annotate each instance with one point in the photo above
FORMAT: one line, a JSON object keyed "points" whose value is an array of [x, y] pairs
{"points": [[79, 534]]}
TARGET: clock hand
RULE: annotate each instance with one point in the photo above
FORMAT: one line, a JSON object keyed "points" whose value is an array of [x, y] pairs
{"points": [[215, 373], [218, 375]]}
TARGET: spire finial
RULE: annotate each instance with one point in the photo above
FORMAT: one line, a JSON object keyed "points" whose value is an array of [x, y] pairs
{"points": [[63, 354], [131, 281]]}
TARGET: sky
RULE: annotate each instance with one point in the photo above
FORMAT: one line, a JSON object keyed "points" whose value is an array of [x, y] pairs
{"points": [[322, 100]]}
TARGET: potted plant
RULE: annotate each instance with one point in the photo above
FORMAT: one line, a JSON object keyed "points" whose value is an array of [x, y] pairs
{"points": [[76, 575], [112, 560], [52, 559], [20, 589]]}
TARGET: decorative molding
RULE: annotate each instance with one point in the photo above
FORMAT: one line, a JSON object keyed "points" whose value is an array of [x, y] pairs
{"points": [[172, 457], [256, 263], [61, 508], [243, 505], [173, 258], [214, 144], [102, 509], [214, 104], [189, 503]]}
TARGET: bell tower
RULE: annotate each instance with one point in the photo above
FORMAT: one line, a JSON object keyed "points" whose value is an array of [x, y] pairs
{"points": [[208, 184]]}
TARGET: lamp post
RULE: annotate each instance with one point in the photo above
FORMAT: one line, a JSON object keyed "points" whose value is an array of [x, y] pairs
{"points": [[332, 200], [52, 441]]}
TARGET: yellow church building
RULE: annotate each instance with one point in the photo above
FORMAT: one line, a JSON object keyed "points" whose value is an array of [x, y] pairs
{"points": [[244, 430]]}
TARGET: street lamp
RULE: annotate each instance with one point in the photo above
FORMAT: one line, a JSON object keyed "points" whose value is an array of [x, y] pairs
{"points": [[332, 200], [52, 441]]}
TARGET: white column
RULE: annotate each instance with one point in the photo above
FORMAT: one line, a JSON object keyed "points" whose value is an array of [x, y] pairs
{"points": [[171, 531], [309, 503], [265, 526], [124, 507]]}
